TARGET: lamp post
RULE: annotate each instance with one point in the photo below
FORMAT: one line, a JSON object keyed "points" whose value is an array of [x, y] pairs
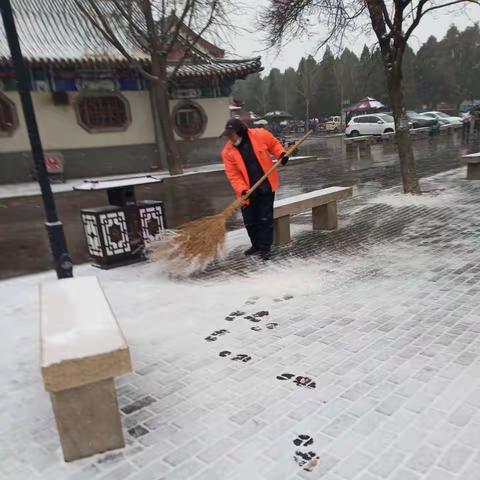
{"points": [[56, 236]]}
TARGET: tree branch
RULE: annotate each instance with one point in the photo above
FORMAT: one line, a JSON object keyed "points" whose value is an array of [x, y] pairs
{"points": [[386, 16], [449, 4], [177, 25], [128, 17], [190, 44], [104, 28], [378, 22]]}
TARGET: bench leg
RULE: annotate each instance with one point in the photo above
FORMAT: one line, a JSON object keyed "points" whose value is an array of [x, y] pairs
{"points": [[281, 230], [88, 419], [324, 217], [473, 171]]}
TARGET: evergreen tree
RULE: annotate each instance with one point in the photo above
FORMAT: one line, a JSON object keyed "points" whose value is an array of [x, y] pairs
{"points": [[409, 83], [307, 75], [363, 75], [274, 90], [467, 74], [347, 69], [326, 86], [290, 94], [429, 76]]}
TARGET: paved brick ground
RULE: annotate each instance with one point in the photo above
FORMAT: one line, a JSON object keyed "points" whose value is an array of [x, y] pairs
{"points": [[366, 366]]}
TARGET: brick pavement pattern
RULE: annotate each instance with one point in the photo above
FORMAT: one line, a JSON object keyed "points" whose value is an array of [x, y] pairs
{"points": [[371, 371]]}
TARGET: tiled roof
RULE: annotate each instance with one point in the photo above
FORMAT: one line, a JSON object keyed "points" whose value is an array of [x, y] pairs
{"points": [[220, 68], [51, 35]]}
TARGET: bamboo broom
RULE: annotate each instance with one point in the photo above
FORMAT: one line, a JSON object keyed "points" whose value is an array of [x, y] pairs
{"points": [[197, 243]]}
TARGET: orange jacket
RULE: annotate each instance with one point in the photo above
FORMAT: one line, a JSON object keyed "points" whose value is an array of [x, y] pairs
{"points": [[264, 144]]}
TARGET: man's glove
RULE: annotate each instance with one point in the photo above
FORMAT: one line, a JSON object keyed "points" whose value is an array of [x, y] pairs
{"points": [[244, 192], [284, 159]]}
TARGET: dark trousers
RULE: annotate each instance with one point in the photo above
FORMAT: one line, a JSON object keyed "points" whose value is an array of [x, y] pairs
{"points": [[258, 219]]}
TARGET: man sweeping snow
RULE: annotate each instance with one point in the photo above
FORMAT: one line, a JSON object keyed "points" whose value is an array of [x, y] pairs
{"points": [[247, 157]]}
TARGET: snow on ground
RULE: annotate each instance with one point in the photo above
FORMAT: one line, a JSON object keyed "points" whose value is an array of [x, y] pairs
{"points": [[388, 331]]}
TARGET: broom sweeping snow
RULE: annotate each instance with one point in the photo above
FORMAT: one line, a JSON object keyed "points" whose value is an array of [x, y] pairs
{"points": [[197, 243]]}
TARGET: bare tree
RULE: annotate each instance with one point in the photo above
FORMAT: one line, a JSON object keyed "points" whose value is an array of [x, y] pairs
{"points": [[156, 30], [393, 22]]}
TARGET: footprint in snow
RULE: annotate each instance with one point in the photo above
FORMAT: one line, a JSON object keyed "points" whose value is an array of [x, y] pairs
{"points": [[270, 326], [284, 298], [213, 337], [256, 317], [298, 380], [303, 440], [306, 459], [241, 357], [231, 316], [252, 300]]}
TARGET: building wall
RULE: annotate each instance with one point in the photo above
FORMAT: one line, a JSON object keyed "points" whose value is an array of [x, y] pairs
{"points": [[60, 130], [96, 154]]}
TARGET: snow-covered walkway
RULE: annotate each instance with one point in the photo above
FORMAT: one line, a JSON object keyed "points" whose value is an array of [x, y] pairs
{"points": [[353, 354]]}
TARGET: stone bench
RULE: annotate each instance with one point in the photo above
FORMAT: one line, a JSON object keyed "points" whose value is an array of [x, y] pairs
{"points": [[82, 350], [323, 204], [473, 165], [364, 139]]}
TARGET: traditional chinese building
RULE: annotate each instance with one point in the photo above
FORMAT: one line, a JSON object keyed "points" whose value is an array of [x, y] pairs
{"points": [[96, 110]]}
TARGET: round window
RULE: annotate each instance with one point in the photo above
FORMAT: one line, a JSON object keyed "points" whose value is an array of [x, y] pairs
{"points": [[190, 120]]}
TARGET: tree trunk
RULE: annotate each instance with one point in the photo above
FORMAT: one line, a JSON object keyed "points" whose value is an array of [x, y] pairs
{"points": [[404, 142], [160, 88], [159, 69]]}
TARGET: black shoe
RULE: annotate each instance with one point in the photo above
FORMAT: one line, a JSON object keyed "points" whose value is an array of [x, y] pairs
{"points": [[251, 251], [265, 256]]}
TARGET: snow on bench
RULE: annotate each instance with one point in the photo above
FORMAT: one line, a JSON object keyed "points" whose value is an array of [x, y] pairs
{"points": [[82, 350], [473, 165], [323, 204]]}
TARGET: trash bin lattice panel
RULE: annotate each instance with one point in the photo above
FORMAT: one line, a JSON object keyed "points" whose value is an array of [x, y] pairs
{"points": [[115, 234], [92, 235], [152, 221]]}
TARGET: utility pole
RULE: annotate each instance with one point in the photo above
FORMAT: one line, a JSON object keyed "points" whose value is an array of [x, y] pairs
{"points": [[56, 236]]}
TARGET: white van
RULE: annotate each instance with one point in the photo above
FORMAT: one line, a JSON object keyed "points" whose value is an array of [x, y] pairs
{"points": [[333, 124]]}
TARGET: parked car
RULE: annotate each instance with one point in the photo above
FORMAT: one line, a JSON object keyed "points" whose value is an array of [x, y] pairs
{"points": [[376, 124], [333, 124], [421, 121], [415, 120], [443, 118]]}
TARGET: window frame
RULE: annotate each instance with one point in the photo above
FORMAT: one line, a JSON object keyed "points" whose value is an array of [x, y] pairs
{"points": [[182, 104], [96, 129], [13, 110]]}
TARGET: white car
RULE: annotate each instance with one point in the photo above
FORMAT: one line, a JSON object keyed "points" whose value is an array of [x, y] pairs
{"points": [[443, 118], [375, 124]]}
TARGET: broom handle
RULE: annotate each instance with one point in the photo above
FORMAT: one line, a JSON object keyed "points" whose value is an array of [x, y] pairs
{"points": [[289, 151]]}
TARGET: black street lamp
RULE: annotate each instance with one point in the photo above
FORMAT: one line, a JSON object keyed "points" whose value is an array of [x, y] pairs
{"points": [[56, 236]]}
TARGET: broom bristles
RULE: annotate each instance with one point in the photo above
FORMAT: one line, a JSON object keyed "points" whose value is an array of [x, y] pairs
{"points": [[194, 245]]}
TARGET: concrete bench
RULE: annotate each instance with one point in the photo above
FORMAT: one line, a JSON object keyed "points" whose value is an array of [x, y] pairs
{"points": [[82, 350], [323, 204], [364, 139], [473, 165]]}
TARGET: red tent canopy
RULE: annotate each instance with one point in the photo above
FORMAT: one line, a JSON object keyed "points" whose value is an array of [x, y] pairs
{"points": [[367, 103]]}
